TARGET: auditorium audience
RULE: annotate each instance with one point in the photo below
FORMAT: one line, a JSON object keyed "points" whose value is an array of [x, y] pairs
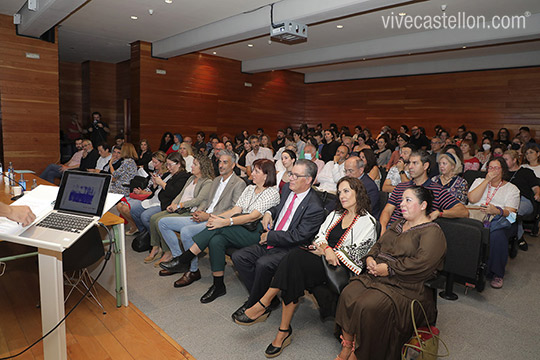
{"points": [[497, 202], [343, 239], [374, 309], [333, 170], [104, 152], [444, 204], [484, 154], [237, 227], [288, 159], [401, 140]]}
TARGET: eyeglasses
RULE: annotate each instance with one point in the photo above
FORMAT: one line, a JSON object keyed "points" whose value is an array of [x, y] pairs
{"points": [[169, 164], [294, 176], [494, 167]]}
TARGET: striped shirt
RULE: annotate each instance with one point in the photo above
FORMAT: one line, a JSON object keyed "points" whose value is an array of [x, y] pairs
{"points": [[442, 199]]}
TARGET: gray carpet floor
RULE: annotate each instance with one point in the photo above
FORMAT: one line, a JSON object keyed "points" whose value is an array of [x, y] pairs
{"points": [[493, 324]]}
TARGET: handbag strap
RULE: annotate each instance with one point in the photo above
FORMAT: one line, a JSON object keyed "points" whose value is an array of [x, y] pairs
{"points": [[416, 331]]}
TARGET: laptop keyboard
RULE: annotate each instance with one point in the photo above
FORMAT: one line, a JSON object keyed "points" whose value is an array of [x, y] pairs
{"points": [[65, 222]]}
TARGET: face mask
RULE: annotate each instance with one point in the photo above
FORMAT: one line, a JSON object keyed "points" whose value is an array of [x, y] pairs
{"points": [[486, 147], [497, 155], [307, 156]]}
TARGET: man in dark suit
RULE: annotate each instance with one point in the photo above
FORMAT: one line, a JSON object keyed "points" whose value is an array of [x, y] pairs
{"points": [[354, 167], [90, 156], [295, 221]]}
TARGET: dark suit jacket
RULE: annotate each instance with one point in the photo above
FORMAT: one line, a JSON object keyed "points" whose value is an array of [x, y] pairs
{"points": [[305, 223], [373, 194], [90, 161]]}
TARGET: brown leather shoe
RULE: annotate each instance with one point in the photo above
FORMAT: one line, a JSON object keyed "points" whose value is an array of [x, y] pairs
{"points": [[166, 273], [187, 279]]}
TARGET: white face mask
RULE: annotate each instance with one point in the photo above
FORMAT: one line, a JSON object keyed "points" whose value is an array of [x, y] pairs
{"points": [[307, 156], [486, 147]]}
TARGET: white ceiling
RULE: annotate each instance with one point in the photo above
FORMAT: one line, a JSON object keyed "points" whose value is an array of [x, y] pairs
{"points": [[101, 30]]}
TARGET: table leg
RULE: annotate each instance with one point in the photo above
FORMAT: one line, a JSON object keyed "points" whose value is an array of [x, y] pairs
{"points": [[51, 288], [120, 265]]}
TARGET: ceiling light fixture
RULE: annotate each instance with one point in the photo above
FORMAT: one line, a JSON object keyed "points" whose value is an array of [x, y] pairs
{"points": [[464, 47], [250, 45], [214, 53], [133, 17], [339, 26], [402, 13], [168, 1]]}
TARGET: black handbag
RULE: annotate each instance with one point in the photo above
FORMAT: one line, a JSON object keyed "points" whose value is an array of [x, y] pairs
{"points": [[141, 242], [250, 226], [138, 182], [337, 277]]}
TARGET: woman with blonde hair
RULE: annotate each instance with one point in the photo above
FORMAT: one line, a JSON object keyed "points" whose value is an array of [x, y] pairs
{"points": [[449, 168], [187, 153], [127, 171]]}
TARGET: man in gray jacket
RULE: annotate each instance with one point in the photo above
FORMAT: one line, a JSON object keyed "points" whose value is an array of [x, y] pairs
{"points": [[225, 191]]}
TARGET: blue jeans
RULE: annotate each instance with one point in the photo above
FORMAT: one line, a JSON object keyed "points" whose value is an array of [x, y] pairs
{"points": [[525, 208], [51, 172], [141, 216], [187, 228]]}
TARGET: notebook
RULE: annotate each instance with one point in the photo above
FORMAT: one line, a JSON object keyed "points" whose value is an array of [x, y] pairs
{"points": [[78, 206]]}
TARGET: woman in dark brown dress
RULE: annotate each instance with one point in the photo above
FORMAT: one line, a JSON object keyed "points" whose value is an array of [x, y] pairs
{"points": [[374, 309]]}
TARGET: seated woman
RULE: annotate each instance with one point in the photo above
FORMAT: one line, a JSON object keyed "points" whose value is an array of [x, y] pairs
{"points": [[175, 147], [145, 155], [343, 239], [225, 230], [166, 141], [187, 153], [374, 309], [383, 152], [166, 189], [531, 160], [498, 200], [370, 161], [127, 171], [158, 163], [448, 178], [470, 162], [288, 158], [192, 196]]}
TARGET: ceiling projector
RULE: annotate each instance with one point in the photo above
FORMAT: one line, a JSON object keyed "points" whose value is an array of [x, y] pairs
{"points": [[289, 32]]}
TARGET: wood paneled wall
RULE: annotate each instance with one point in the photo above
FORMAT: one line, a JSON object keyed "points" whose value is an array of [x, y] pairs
{"points": [[481, 100], [70, 93], [202, 92], [29, 96]]}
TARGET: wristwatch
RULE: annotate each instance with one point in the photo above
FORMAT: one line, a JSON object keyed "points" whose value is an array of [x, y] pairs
{"points": [[232, 223]]}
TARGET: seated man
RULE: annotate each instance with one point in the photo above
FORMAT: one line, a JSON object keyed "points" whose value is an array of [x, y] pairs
{"points": [[444, 204], [293, 222], [224, 193], [333, 170], [310, 153], [104, 151], [89, 156], [53, 171], [399, 172], [256, 153], [354, 166]]}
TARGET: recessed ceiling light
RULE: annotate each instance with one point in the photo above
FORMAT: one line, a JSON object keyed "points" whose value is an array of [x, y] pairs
{"points": [[133, 17], [214, 53], [464, 47], [168, 1], [339, 26], [250, 45], [402, 13]]}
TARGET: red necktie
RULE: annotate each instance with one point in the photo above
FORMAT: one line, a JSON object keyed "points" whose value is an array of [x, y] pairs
{"points": [[287, 214]]}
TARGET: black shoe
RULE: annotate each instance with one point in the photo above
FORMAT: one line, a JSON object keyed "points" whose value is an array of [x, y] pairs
{"points": [[513, 247], [273, 351], [523, 244], [243, 319], [174, 266], [212, 294], [240, 310]]}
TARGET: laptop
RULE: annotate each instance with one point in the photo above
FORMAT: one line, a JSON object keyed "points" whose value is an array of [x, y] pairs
{"points": [[78, 206]]}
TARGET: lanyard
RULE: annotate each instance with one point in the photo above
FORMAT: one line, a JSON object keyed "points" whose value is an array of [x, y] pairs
{"points": [[490, 196]]}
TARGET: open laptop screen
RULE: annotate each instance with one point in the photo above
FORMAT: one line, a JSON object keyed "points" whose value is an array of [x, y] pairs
{"points": [[83, 193]]}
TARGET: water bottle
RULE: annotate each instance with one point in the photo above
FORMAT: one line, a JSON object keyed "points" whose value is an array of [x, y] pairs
{"points": [[22, 183], [34, 184], [10, 171]]}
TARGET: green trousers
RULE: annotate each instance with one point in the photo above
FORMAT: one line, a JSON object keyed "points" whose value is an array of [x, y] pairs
{"points": [[218, 240]]}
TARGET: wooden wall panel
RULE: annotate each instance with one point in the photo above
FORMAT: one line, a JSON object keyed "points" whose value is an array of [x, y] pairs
{"points": [[481, 100], [70, 93], [202, 92], [123, 76], [29, 95]]}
